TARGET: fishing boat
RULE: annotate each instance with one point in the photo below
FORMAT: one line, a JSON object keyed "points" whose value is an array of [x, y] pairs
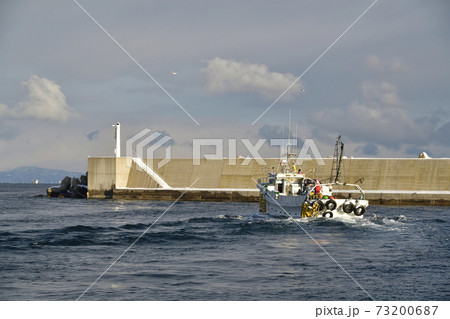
{"points": [[288, 192]]}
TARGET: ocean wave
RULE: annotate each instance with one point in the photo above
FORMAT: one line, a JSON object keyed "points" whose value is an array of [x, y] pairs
{"points": [[83, 229], [196, 230]]}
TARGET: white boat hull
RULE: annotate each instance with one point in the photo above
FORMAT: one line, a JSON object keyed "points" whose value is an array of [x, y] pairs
{"points": [[284, 206]]}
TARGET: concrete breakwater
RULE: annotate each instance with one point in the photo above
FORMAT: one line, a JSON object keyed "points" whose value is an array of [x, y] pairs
{"points": [[386, 181]]}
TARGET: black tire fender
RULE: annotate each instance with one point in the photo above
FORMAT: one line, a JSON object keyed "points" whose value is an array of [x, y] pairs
{"points": [[348, 208], [331, 205], [321, 206], [360, 210], [327, 214]]}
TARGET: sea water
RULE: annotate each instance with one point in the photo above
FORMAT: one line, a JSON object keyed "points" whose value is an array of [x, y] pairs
{"points": [[64, 249]]}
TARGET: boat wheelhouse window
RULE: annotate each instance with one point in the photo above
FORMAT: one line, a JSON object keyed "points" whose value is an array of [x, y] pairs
{"points": [[280, 187]]}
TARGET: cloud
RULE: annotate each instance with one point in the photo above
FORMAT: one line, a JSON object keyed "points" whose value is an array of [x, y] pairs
{"points": [[268, 131], [93, 135], [383, 94], [380, 119], [395, 65], [224, 76], [3, 109], [274, 132], [7, 132], [442, 134], [368, 149], [44, 101], [373, 62], [414, 150]]}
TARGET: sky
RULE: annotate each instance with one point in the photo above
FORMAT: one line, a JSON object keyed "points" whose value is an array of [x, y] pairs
{"points": [[383, 85]]}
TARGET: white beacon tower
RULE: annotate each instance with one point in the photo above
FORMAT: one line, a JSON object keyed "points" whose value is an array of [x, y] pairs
{"points": [[117, 139]]}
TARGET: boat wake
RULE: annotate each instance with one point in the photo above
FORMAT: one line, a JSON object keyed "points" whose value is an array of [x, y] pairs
{"points": [[374, 221]]}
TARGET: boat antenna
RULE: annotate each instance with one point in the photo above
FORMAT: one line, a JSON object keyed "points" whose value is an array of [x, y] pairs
{"points": [[289, 152], [289, 136]]}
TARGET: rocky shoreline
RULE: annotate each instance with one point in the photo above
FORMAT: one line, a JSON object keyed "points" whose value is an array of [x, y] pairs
{"points": [[70, 188]]}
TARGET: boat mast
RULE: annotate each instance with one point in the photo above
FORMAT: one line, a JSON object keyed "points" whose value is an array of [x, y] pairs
{"points": [[337, 160], [338, 172]]}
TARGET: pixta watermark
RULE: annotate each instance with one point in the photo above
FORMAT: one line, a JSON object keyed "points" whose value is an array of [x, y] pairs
{"points": [[146, 143], [309, 150]]}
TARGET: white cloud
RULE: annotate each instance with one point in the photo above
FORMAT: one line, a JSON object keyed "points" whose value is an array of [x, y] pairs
{"points": [[399, 65], [386, 65], [232, 76], [373, 62], [383, 94], [381, 118], [45, 101]]}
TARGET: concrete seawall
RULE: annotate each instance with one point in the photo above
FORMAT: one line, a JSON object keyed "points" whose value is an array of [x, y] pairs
{"points": [[386, 181]]}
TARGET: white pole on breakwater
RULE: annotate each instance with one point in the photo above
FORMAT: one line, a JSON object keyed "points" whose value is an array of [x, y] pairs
{"points": [[117, 139]]}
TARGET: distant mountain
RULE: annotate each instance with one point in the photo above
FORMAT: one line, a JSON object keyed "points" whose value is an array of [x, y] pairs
{"points": [[28, 174]]}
